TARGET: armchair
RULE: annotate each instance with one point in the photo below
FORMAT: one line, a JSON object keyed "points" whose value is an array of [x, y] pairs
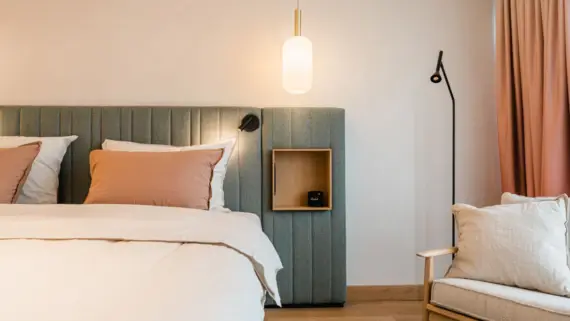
{"points": [[471, 300]]}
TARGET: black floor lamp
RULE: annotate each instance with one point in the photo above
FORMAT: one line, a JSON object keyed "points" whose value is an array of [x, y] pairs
{"points": [[436, 78]]}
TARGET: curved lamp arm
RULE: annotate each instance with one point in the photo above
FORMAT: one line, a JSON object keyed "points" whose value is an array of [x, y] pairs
{"points": [[436, 78]]}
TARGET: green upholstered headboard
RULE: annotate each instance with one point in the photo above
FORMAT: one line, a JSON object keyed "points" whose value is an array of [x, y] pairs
{"points": [[159, 125], [310, 244]]}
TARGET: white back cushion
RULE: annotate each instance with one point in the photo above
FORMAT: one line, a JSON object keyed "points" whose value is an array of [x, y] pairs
{"points": [[509, 198], [521, 245]]}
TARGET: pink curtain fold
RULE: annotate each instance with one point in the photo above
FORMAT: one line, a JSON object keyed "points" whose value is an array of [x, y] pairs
{"points": [[533, 112]]}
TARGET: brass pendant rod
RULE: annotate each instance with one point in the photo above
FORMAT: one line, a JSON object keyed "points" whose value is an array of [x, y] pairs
{"points": [[298, 14]]}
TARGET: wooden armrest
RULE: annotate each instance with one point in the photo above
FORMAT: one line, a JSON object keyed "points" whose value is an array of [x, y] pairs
{"points": [[428, 274], [433, 253]]}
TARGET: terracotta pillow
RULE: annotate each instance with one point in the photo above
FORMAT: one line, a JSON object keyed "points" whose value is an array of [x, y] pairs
{"points": [[177, 179], [15, 164]]}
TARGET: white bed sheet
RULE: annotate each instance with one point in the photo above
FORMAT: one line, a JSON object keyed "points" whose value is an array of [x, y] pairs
{"points": [[133, 263]]}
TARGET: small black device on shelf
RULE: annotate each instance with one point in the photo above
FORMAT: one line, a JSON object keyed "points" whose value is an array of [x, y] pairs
{"points": [[316, 199]]}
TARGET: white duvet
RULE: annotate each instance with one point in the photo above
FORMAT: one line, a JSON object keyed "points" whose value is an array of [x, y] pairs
{"points": [[133, 263]]}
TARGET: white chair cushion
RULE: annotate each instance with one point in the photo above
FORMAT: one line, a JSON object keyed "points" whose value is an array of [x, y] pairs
{"points": [[509, 198], [521, 245], [489, 301]]}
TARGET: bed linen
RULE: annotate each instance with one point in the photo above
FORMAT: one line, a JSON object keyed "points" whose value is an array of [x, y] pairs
{"points": [[133, 263]]}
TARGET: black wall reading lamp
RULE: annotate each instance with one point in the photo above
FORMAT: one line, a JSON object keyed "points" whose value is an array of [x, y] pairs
{"points": [[436, 78], [249, 123]]}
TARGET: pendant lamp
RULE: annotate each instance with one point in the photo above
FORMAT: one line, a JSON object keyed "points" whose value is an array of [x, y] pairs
{"points": [[297, 60]]}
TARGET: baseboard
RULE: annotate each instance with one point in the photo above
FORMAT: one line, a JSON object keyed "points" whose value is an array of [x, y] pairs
{"points": [[384, 293], [308, 306]]}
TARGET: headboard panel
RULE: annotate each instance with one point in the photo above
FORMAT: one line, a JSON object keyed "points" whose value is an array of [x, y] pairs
{"points": [[178, 126], [312, 245]]}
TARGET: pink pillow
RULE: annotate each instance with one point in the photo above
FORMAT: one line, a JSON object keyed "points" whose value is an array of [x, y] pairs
{"points": [[15, 164], [177, 179]]}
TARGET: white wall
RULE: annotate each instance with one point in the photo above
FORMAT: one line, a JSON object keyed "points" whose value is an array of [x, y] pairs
{"points": [[372, 57]]}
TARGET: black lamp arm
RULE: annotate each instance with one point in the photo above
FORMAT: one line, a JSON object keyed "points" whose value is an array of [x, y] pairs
{"points": [[436, 78]]}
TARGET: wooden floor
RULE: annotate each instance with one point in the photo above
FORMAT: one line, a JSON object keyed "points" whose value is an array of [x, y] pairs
{"points": [[364, 311]]}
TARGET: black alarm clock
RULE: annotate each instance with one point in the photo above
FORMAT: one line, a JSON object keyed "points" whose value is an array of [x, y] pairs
{"points": [[316, 199]]}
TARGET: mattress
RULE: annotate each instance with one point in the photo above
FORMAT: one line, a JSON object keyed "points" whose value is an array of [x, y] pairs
{"points": [[130, 262]]}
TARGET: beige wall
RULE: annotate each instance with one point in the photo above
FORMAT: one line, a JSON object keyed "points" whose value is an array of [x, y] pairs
{"points": [[372, 57]]}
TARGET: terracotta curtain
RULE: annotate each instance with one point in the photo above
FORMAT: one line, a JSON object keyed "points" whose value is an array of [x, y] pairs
{"points": [[532, 48]]}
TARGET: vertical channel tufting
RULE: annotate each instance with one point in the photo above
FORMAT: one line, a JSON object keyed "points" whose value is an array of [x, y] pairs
{"points": [[321, 221], [338, 215], [179, 126], [195, 130], [10, 121], [283, 221], [248, 151], [96, 123], [190, 128], [303, 274], [141, 125], [110, 123], [243, 151], [170, 129], [30, 121], [268, 215], [81, 126], [160, 123], [311, 245], [65, 191], [266, 148], [209, 125], [126, 124], [49, 121]]}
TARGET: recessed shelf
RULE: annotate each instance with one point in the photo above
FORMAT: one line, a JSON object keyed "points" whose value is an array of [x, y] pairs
{"points": [[298, 171]]}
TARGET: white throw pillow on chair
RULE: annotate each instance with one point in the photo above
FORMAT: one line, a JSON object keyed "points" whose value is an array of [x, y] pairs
{"points": [[522, 245], [510, 198]]}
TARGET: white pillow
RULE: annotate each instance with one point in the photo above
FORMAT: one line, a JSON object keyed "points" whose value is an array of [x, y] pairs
{"points": [[217, 199], [521, 245], [43, 179], [509, 198]]}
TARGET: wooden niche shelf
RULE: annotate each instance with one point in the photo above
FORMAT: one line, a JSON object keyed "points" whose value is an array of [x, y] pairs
{"points": [[298, 171]]}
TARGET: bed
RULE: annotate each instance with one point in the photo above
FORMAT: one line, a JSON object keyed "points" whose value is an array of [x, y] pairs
{"points": [[132, 262]]}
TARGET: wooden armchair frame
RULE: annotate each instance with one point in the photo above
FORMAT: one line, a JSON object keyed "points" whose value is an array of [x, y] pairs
{"points": [[428, 282]]}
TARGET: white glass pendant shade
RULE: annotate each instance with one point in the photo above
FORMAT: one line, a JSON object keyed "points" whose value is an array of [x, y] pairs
{"points": [[297, 65]]}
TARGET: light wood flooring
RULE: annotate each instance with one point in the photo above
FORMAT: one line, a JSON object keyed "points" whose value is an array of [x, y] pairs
{"points": [[361, 311]]}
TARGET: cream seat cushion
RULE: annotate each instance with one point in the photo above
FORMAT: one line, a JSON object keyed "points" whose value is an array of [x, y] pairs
{"points": [[489, 301]]}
